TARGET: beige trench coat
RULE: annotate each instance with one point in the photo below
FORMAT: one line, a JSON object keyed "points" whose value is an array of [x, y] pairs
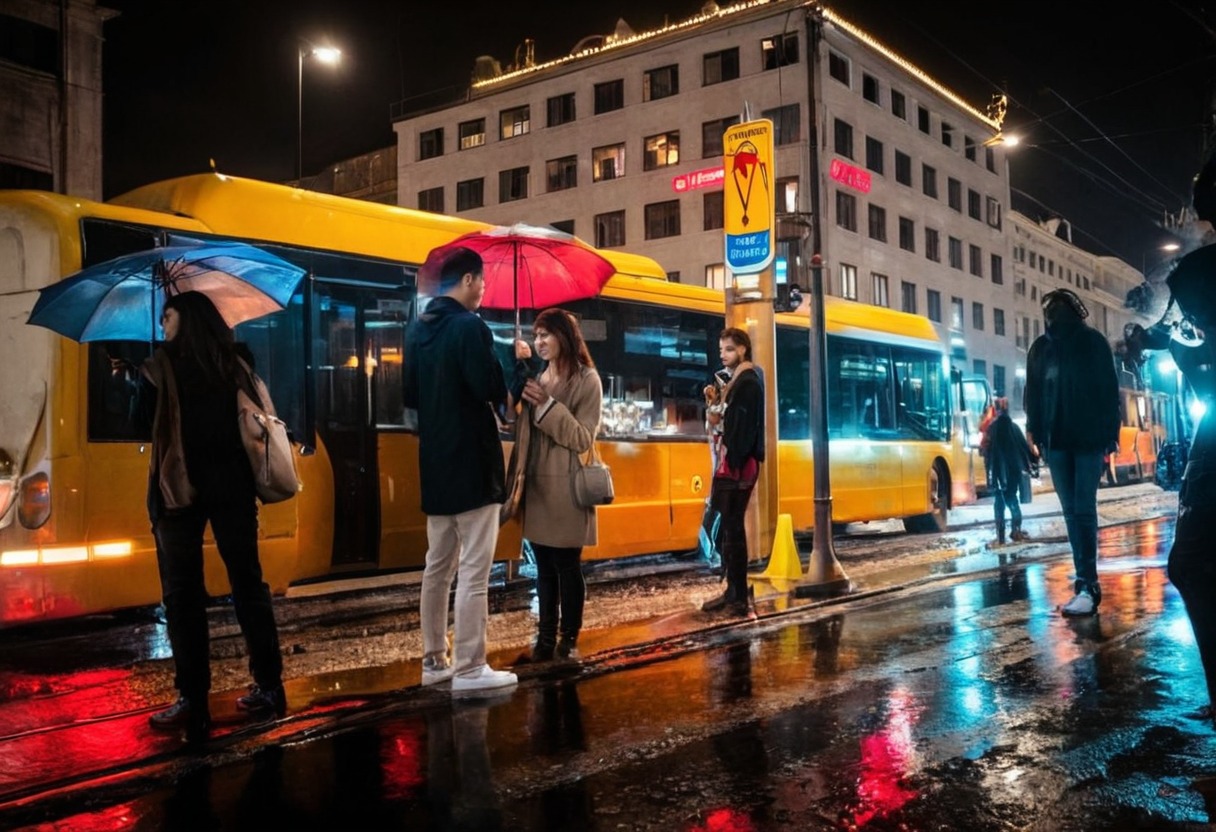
{"points": [[567, 429]]}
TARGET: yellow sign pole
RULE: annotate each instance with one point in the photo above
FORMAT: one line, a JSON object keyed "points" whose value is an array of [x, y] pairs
{"points": [[749, 220]]}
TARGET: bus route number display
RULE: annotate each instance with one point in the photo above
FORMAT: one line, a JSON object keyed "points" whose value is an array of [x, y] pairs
{"points": [[748, 208]]}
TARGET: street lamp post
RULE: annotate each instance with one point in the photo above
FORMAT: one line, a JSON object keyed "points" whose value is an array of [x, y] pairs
{"points": [[326, 55]]}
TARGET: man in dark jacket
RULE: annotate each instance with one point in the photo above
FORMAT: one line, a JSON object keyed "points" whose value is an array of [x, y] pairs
{"points": [[1006, 457], [1072, 414], [454, 381]]}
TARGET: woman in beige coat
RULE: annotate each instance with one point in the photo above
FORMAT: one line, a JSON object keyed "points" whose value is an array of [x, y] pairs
{"points": [[561, 417]]}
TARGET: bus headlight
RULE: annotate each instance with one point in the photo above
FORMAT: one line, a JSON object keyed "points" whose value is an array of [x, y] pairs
{"points": [[34, 500]]}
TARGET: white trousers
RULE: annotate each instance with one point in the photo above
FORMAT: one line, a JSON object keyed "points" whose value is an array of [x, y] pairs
{"points": [[460, 546]]}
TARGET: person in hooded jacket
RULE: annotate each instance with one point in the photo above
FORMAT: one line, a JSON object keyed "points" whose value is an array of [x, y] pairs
{"points": [[1007, 456], [455, 382], [1072, 415]]}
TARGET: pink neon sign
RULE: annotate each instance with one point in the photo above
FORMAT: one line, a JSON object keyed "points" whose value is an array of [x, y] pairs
{"points": [[846, 174], [704, 178]]}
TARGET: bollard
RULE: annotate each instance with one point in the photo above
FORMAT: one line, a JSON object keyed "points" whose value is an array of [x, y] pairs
{"points": [[784, 563]]}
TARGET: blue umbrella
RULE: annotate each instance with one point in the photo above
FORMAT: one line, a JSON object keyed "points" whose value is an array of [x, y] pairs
{"points": [[121, 299]]}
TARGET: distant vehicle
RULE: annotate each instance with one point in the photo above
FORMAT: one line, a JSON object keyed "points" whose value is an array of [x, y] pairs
{"points": [[974, 395], [1143, 418]]}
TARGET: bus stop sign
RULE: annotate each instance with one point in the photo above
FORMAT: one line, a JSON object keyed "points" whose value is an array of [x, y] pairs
{"points": [[749, 210]]}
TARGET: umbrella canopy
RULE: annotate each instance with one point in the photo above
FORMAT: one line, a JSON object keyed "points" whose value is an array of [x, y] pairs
{"points": [[526, 266], [122, 299]]}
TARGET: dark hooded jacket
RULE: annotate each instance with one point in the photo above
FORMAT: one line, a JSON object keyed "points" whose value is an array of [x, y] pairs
{"points": [[743, 425], [1072, 392], [1006, 454], [454, 380]]}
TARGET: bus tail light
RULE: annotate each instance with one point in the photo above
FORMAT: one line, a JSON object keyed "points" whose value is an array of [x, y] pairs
{"points": [[54, 555], [34, 500], [8, 484]]}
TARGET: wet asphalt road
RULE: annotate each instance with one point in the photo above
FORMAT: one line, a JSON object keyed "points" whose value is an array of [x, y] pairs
{"points": [[967, 703]]}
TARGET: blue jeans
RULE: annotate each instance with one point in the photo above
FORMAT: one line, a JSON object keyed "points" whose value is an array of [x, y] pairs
{"points": [[1075, 476], [1003, 497]]}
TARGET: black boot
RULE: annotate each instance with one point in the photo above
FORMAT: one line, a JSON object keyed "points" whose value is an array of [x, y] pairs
{"points": [[566, 649], [717, 603], [264, 703], [542, 649]]}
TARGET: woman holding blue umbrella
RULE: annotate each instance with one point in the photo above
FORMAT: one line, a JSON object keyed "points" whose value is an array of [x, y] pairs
{"points": [[200, 473]]}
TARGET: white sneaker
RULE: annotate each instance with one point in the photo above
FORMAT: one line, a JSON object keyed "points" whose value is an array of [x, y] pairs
{"points": [[1081, 604], [485, 678], [436, 670]]}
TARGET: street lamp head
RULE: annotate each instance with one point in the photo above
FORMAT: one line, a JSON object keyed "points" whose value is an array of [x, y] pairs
{"points": [[326, 54]]}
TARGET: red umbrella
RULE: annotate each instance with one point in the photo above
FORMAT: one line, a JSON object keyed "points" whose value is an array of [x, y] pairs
{"points": [[526, 266]]}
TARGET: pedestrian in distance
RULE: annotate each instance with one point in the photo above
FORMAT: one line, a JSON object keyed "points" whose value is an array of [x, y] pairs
{"points": [[1007, 457], [739, 409], [454, 381], [1072, 416], [200, 473], [559, 420]]}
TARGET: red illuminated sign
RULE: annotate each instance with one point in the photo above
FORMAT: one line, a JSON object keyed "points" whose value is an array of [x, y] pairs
{"points": [[704, 178], [846, 174]]}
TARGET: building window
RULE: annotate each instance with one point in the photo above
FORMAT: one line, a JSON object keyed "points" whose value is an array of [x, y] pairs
{"points": [[512, 184], [561, 174], [515, 122], [472, 133], [903, 168], [933, 305], [956, 314], [470, 194], [976, 263], [990, 159], [560, 109], [979, 367], [882, 295], [922, 120], [610, 229], [994, 213], [715, 275], [848, 281], [899, 105], [430, 143], [947, 134], [955, 252], [661, 82], [661, 150], [711, 135], [712, 210], [662, 219], [431, 200], [874, 154], [932, 247], [973, 204], [998, 379], [878, 223], [787, 195], [907, 234], [928, 180], [779, 50], [673, 277], [838, 67], [846, 211], [608, 162], [566, 226], [954, 194], [844, 138], [907, 296], [998, 269], [869, 88], [786, 123], [998, 321], [717, 67], [969, 148], [609, 96], [977, 316]]}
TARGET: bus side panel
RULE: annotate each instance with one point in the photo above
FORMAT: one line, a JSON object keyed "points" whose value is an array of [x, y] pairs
{"points": [[639, 519], [402, 523], [314, 515], [868, 480], [691, 479], [797, 482]]}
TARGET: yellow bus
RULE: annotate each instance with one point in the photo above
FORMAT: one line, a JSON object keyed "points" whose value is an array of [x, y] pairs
{"points": [[74, 534]]}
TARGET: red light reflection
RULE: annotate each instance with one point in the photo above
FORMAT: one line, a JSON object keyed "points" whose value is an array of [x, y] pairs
{"points": [[887, 757], [725, 820], [401, 761]]}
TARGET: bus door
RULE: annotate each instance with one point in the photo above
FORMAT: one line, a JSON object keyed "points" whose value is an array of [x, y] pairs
{"points": [[358, 341], [974, 398]]}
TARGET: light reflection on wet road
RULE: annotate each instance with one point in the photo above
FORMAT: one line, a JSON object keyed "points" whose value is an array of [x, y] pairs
{"points": [[965, 704]]}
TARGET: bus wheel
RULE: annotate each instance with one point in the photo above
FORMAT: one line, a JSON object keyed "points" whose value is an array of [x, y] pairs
{"points": [[937, 519]]}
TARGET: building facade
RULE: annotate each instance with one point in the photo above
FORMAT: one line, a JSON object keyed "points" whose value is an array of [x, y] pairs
{"points": [[898, 183], [50, 95]]}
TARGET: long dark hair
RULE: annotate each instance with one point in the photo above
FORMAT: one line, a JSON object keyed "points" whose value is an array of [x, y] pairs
{"points": [[204, 336], [573, 351]]}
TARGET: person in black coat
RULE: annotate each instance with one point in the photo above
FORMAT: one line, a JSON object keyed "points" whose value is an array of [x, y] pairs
{"points": [[1007, 456], [454, 381], [1072, 414], [741, 414]]}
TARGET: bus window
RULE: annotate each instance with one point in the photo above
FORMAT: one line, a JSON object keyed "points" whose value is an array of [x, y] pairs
{"points": [[120, 403], [923, 410], [793, 383], [861, 400]]}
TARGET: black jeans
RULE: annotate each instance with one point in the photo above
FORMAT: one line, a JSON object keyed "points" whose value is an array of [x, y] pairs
{"points": [[1192, 567], [561, 592], [729, 498], [179, 553]]}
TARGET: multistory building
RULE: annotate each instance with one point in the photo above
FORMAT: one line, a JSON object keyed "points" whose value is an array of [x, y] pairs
{"points": [[50, 95]]}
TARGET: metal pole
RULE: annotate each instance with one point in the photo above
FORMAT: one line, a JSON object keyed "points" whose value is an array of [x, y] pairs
{"points": [[300, 120]]}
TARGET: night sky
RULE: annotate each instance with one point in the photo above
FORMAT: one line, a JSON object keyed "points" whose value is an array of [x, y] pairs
{"points": [[1113, 108]]}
